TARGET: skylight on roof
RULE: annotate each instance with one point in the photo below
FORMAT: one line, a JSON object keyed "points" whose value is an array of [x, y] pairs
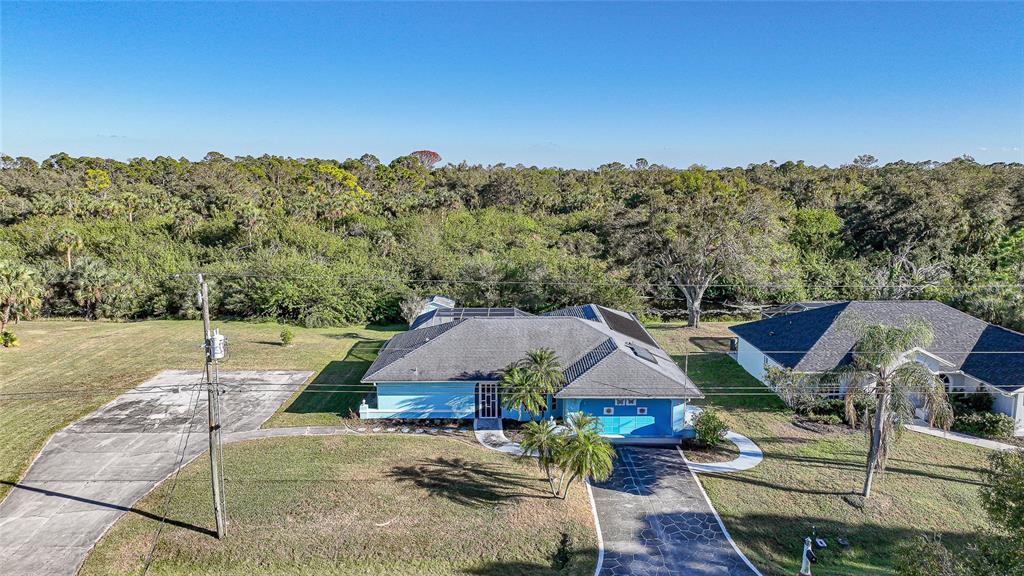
{"points": [[643, 353]]}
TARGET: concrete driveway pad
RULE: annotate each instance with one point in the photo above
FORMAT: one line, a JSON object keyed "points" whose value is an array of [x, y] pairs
{"points": [[655, 520], [96, 469]]}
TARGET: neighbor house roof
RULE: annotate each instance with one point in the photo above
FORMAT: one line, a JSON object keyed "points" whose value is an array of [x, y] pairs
{"points": [[820, 339], [600, 361], [792, 307]]}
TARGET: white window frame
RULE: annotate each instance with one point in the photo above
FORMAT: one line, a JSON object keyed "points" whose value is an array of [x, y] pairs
{"points": [[641, 411], [608, 411], [625, 401]]}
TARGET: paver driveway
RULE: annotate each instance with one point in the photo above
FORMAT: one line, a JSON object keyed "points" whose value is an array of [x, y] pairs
{"points": [[95, 470], [656, 521]]}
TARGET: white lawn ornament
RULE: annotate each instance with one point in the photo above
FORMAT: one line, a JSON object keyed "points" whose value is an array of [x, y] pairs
{"points": [[805, 564]]}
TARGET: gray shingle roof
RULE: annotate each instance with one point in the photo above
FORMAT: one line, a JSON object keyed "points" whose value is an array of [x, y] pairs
{"points": [[599, 361], [821, 339]]}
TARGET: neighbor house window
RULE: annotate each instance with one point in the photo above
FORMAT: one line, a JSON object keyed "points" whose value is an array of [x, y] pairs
{"points": [[608, 410], [554, 404], [641, 411]]}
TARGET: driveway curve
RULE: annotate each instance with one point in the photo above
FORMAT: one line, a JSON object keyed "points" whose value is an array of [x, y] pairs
{"points": [[95, 470], [656, 520]]}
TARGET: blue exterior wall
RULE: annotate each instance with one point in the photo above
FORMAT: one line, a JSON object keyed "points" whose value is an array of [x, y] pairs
{"points": [[412, 400], [664, 416], [423, 400]]}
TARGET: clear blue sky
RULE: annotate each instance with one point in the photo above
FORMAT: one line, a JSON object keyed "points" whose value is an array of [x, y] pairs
{"points": [[546, 84]]}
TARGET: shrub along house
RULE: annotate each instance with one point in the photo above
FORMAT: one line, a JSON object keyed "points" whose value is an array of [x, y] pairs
{"points": [[449, 365], [968, 354]]}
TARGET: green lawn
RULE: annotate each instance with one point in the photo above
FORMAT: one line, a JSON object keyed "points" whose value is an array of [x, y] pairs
{"points": [[361, 505], [70, 368], [808, 479]]}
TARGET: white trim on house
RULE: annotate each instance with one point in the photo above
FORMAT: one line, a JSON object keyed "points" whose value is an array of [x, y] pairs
{"points": [[1011, 404]]}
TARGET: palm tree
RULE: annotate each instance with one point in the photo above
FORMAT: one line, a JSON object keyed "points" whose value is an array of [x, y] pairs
{"points": [[19, 292], [543, 439], [90, 281], [880, 377], [545, 366], [521, 391], [68, 240], [584, 454]]}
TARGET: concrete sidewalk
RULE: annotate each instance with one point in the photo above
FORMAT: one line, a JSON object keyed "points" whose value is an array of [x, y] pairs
{"points": [[96, 469], [750, 456], [963, 438]]}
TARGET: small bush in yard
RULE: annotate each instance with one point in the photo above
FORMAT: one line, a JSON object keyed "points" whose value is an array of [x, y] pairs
{"points": [[8, 339], [710, 428], [287, 336], [984, 424]]}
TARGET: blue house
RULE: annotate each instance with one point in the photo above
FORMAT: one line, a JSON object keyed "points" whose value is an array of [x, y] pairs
{"points": [[449, 365]]}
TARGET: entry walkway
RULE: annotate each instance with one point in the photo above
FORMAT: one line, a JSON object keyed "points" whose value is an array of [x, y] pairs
{"points": [[750, 456], [656, 520], [96, 469]]}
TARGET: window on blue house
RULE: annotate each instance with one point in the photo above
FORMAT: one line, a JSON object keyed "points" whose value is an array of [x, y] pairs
{"points": [[641, 411], [608, 410], [625, 402]]}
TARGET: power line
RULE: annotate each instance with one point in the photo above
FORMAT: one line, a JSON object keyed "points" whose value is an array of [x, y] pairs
{"points": [[770, 285]]}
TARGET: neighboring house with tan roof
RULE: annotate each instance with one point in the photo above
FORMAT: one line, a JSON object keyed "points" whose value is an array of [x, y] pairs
{"points": [[449, 365], [967, 353]]}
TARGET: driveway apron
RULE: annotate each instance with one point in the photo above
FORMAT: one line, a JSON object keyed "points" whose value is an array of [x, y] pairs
{"points": [[96, 469], [655, 520]]}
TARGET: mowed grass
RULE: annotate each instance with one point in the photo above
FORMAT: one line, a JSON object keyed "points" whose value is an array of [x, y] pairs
{"points": [[65, 369], [809, 479], [360, 505]]}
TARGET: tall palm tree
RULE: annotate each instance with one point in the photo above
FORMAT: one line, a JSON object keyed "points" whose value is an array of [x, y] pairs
{"points": [[19, 292], [545, 366], [584, 454], [521, 391], [543, 440], [887, 383], [67, 241]]}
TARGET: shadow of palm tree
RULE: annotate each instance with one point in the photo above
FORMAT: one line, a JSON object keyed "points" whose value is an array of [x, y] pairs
{"points": [[469, 483]]}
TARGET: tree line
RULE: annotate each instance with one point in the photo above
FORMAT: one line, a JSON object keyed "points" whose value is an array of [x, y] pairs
{"points": [[327, 242]]}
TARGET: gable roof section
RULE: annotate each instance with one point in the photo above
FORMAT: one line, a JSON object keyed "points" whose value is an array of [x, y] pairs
{"points": [[998, 358], [821, 339], [621, 374], [788, 339]]}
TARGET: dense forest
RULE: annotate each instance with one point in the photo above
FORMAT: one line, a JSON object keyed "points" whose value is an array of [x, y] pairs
{"points": [[325, 242]]}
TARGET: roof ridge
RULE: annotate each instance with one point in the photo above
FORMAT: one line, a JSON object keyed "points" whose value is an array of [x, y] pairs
{"points": [[441, 330]]}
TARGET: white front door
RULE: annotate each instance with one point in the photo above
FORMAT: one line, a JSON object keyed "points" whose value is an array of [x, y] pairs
{"points": [[487, 402]]}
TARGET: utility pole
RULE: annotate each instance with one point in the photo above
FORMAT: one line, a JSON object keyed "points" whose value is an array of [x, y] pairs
{"points": [[214, 346]]}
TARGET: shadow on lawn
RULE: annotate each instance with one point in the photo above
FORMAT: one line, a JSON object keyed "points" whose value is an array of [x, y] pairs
{"points": [[873, 547], [150, 515], [336, 389], [469, 483]]}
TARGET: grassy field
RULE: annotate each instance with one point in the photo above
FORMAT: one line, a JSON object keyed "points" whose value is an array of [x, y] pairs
{"points": [[66, 369], [361, 505], [809, 479]]}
